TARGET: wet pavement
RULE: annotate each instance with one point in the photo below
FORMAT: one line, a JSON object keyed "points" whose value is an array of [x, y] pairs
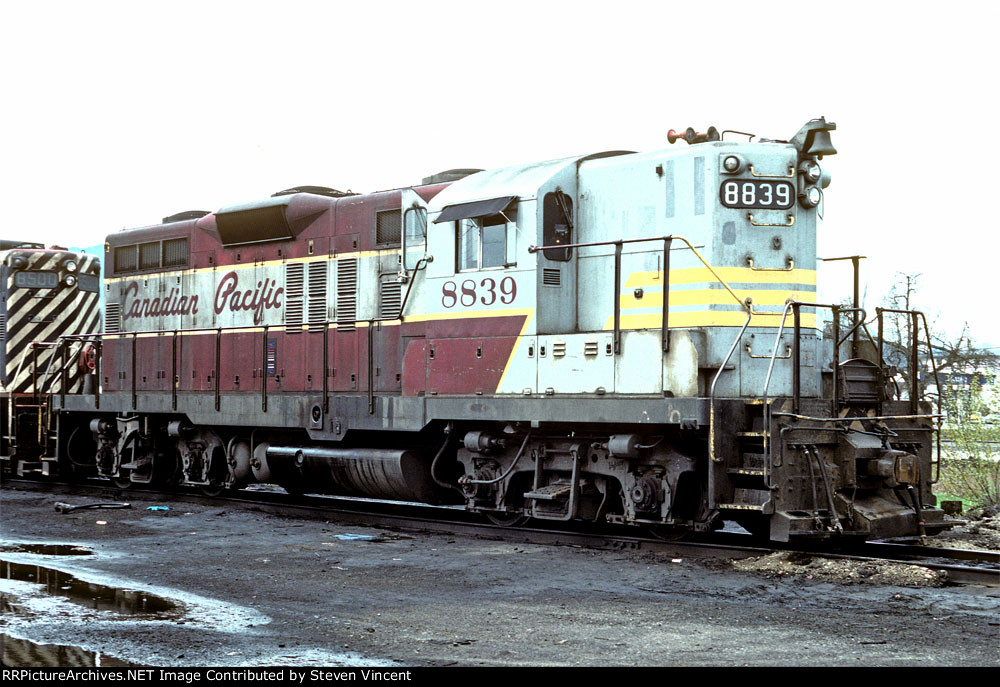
{"points": [[226, 586]]}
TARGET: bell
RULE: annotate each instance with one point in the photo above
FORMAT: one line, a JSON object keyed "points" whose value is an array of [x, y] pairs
{"points": [[818, 143]]}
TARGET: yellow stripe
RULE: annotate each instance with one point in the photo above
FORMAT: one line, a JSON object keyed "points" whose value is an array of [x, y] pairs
{"points": [[739, 275], [715, 297], [513, 351], [730, 318], [469, 314], [250, 265]]}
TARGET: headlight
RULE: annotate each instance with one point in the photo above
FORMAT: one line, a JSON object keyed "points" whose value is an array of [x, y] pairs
{"points": [[810, 170], [69, 280], [70, 265], [810, 196], [18, 262]]}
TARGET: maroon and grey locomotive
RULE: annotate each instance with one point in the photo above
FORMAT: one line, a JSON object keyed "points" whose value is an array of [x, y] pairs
{"points": [[619, 337]]}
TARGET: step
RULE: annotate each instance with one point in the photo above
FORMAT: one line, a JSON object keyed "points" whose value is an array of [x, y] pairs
{"points": [[741, 506], [553, 492], [751, 434], [758, 472]]}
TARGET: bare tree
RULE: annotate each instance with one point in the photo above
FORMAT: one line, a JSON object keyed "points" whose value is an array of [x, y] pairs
{"points": [[954, 357]]}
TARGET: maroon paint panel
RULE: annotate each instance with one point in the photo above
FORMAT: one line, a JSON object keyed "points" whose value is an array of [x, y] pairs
{"points": [[347, 243], [428, 192], [414, 366], [345, 360], [111, 364], [241, 361], [508, 325], [153, 359], [356, 215], [468, 366], [388, 376], [312, 361], [196, 363]]}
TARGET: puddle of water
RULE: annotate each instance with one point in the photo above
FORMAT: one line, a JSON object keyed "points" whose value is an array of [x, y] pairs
{"points": [[22, 653], [89, 594], [48, 549]]}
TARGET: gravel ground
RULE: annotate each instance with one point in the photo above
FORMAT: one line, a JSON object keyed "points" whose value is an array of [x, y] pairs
{"points": [[258, 589]]}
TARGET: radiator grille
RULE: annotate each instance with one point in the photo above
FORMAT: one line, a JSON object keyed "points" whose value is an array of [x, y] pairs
{"points": [[294, 294], [112, 318], [317, 293], [126, 258], [390, 300], [388, 227], [347, 294], [175, 252], [551, 277], [149, 255]]}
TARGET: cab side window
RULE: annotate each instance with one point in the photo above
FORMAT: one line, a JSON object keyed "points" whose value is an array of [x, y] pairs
{"points": [[557, 225], [482, 243], [414, 236]]}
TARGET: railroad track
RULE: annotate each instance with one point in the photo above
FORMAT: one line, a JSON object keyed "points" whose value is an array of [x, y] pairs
{"points": [[961, 565]]}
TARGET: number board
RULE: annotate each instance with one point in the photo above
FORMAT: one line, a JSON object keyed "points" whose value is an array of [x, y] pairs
{"points": [[37, 279], [761, 195]]}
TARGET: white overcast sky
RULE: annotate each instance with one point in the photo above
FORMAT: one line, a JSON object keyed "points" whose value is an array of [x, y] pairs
{"points": [[115, 115]]}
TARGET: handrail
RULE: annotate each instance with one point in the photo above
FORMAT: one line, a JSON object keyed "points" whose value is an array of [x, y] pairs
{"points": [[859, 324], [37, 390], [711, 413], [670, 237], [914, 379]]}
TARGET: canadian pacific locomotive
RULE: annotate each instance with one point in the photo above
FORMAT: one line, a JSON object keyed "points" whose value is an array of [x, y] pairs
{"points": [[615, 337]]}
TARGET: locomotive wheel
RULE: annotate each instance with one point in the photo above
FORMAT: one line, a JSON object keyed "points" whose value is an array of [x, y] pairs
{"points": [[665, 533], [123, 480], [211, 489], [507, 519]]}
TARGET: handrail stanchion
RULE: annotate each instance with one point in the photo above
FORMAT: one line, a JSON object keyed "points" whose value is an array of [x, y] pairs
{"points": [[617, 292], [666, 294], [796, 371]]}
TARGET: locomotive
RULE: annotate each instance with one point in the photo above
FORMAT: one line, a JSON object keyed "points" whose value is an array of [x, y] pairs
{"points": [[45, 293], [616, 337]]}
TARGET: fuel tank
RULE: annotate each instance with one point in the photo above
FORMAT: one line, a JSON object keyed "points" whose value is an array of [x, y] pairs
{"points": [[373, 472]]}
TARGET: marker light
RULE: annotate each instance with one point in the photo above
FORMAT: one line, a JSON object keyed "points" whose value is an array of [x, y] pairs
{"points": [[810, 170], [69, 280], [70, 265], [810, 196]]}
